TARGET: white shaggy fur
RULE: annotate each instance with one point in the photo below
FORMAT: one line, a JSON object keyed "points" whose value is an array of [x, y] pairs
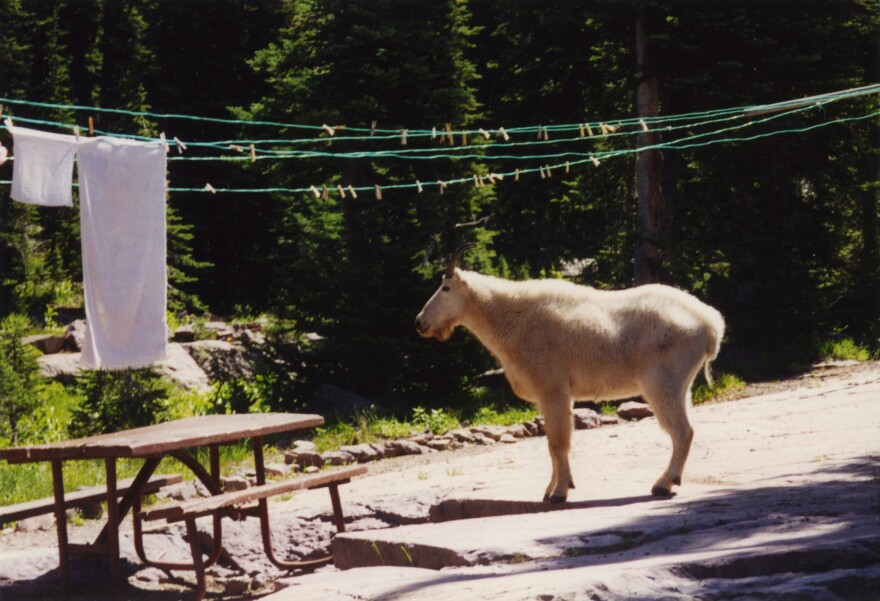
{"points": [[560, 342]]}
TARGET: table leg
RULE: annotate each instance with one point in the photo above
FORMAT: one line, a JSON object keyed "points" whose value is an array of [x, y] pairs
{"points": [[113, 527], [61, 526]]}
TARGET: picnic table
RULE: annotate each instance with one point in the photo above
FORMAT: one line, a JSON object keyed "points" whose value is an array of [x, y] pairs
{"points": [[174, 439]]}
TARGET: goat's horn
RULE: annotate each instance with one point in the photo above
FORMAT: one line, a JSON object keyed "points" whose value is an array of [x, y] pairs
{"points": [[450, 266]]}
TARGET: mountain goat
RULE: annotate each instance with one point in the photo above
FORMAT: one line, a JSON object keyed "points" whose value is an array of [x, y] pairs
{"points": [[560, 342]]}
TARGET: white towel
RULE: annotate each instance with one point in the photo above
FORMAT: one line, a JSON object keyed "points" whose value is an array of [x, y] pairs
{"points": [[122, 212], [42, 173]]}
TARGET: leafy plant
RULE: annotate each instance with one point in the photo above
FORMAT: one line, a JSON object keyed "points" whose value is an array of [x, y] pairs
{"points": [[435, 420], [116, 400], [844, 349], [20, 381]]}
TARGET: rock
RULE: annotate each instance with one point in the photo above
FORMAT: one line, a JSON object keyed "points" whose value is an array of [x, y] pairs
{"points": [[74, 336], [480, 438], [531, 428], [332, 400], [183, 369], [586, 419], [46, 344], [438, 444], [493, 432], [220, 330], [304, 445], [278, 470], [185, 333], [422, 438], [237, 585], [407, 447], [312, 469], [338, 457], [609, 420], [304, 458], [38, 522], [361, 452], [462, 435], [232, 483], [61, 367], [518, 431], [634, 410], [220, 359], [507, 438]]}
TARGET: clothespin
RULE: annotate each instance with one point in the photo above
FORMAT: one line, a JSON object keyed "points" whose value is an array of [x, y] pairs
{"points": [[543, 175], [546, 135], [352, 192], [498, 176], [476, 181], [589, 130], [92, 126], [643, 124], [567, 167], [325, 194], [433, 133], [442, 186], [491, 178], [180, 145], [464, 138], [403, 133], [315, 191], [581, 130], [210, 188], [330, 131], [482, 183], [484, 133], [373, 127], [547, 170], [503, 133], [419, 186], [236, 148], [8, 123], [595, 161], [538, 135], [341, 190], [76, 132], [449, 137], [516, 175], [604, 129], [253, 154], [378, 192], [164, 141]]}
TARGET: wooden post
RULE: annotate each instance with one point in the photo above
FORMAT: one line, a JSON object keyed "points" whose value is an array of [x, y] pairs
{"points": [[651, 206]]}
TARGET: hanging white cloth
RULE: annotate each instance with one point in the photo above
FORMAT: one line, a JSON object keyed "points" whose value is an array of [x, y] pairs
{"points": [[122, 213], [42, 173]]}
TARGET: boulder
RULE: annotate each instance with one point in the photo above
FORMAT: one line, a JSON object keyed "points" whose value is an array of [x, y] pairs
{"points": [[220, 359], [586, 419], [362, 452], [62, 367], [304, 458], [232, 483], [407, 447], [46, 344], [185, 333], [74, 336], [337, 457], [634, 410], [183, 369]]}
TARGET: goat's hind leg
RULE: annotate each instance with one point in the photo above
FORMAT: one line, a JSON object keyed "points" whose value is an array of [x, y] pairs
{"points": [[670, 408], [558, 426]]}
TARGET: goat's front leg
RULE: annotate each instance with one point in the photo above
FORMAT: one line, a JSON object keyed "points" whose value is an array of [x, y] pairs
{"points": [[558, 426]]}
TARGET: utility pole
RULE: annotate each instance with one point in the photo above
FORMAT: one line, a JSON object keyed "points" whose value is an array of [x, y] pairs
{"points": [[651, 206]]}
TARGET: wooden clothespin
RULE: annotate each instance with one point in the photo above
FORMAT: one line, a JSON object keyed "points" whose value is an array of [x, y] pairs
{"points": [[403, 133], [503, 134], [325, 194], [341, 190], [643, 124], [419, 186], [180, 145], [378, 192], [442, 186], [164, 141], [236, 148], [547, 170], [543, 175], [210, 188], [373, 127], [253, 154], [315, 191], [581, 130], [449, 137], [464, 138], [546, 135], [595, 161], [484, 133], [352, 192], [433, 133], [604, 129], [476, 181], [91, 126], [567, 167], [516, 175], [330, 131], [589, 129], [499, 176], [491, 178]]}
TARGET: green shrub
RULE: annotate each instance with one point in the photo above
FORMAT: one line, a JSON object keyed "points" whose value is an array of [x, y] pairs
{"points": [[116, 400], [20, 380], [844, 349]]}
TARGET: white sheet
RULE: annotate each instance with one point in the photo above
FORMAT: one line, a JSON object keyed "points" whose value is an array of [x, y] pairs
{"points": [[122, 213], [42, 173]]}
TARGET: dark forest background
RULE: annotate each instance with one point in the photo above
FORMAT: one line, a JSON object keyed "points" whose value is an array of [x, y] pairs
{"points": [[779, 233]]}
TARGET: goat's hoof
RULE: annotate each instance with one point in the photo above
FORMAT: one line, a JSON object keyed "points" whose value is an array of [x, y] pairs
{"points": [[659, 491], [557, 499], [677, 480]]}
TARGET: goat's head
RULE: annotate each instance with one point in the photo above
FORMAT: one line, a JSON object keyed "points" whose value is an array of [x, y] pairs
{"points": [[443, 311]]}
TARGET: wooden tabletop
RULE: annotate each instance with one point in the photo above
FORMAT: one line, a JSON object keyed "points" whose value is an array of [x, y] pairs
{"points": [[163, 438]]}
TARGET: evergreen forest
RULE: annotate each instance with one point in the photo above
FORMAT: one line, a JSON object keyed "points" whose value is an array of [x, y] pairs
{"points": [[773, 219]]}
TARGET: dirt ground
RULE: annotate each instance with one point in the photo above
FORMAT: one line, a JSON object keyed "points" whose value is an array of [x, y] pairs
{"points": [[781, 500]]}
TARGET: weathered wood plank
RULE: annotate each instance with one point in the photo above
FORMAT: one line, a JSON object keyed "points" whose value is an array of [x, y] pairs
{"points": [[80, 498]]}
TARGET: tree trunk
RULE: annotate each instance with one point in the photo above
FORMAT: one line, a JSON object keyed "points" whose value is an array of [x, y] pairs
{"points": [[651, 206]]}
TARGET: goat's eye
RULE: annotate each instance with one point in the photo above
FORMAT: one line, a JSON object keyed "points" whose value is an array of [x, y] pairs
{"points": [[445, 289]]}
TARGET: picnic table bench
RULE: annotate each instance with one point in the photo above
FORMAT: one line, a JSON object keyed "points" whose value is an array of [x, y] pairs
{"points": [[80, 498], [238, 504]]}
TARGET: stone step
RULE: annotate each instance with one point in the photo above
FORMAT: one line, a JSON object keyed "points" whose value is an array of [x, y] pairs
{"points": [[533, 531]]}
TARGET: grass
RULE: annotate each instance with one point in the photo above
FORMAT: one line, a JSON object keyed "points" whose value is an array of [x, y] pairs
{"points": [[844, 349], [723, 384]]}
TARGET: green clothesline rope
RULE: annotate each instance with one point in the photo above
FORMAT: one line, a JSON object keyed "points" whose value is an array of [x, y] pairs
{"points": [[749, 110], [544, 170]]}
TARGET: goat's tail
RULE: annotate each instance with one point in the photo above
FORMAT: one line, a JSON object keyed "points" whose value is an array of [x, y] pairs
{"points": [[715, 332]]}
